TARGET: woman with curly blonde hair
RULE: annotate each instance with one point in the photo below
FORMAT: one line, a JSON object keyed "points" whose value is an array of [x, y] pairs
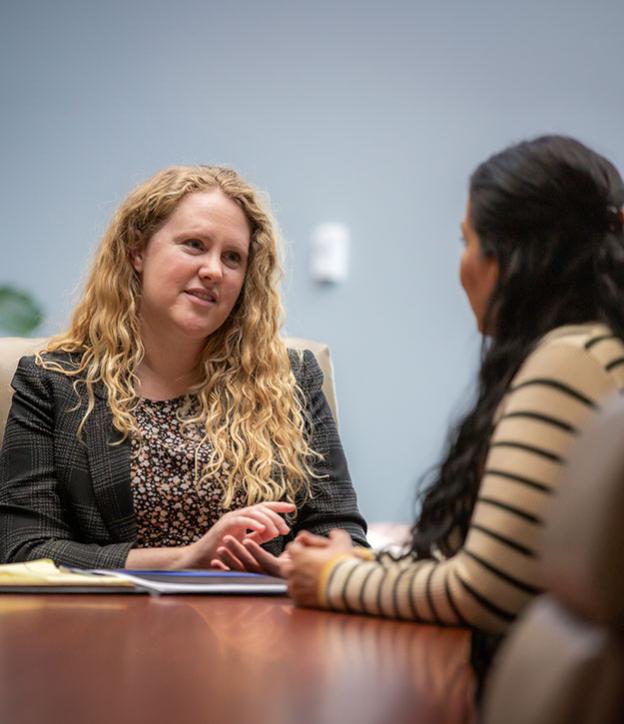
{"points": [[170, 419]]}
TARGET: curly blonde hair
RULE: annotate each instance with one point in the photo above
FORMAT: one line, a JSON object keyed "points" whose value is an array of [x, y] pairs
{"points": [[249, 405]]}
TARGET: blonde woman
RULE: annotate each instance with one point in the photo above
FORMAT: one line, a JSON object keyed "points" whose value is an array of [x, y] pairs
{"points": [[170, 420]]}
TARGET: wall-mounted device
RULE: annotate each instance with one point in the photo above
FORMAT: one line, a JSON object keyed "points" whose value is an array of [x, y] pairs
{"points": [[329, 253]]}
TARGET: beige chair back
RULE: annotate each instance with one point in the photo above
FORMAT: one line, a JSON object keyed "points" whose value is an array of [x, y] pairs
{"points": [[563, 661], [13, 348], [323, 357]]}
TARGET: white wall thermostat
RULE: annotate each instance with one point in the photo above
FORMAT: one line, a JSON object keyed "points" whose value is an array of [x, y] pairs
{"points": [[329, 253]]}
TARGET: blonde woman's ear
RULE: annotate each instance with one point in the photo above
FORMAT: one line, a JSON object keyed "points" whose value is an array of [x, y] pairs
{"points": [[136, 259]]}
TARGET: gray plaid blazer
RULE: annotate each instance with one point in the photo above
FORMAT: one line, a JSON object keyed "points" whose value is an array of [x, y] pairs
{"points": [[69, 498]]}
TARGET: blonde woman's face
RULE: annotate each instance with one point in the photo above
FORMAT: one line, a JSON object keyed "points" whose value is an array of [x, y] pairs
{"points": [[193, 268], [478, 273]]}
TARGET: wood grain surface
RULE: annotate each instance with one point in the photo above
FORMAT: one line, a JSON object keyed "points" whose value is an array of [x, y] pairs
{"points": [[107, 659]]}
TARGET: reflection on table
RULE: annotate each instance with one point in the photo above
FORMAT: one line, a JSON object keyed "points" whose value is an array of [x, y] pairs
{"points": [[185, 659]]}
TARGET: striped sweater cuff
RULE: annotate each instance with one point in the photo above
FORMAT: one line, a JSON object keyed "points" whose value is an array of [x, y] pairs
{"points": [[326, 571]]}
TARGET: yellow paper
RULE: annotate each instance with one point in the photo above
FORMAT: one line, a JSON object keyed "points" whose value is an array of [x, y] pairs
{"points": [[44, 572]]}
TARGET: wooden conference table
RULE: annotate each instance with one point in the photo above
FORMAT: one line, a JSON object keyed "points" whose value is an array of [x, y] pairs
{"points": [[87, 659]]}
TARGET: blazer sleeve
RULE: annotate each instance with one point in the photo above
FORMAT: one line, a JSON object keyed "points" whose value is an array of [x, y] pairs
{"points": [[495, 574], [333, 503], [33, 520]]}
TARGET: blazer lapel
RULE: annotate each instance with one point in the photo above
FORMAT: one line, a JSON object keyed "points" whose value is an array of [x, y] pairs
{"points": [[110, 470]]}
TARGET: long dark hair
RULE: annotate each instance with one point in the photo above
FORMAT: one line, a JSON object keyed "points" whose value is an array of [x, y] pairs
{"points": [[549, 211]]}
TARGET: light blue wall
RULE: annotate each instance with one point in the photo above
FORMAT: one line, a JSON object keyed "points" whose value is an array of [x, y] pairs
{"points": [[368, 113]]}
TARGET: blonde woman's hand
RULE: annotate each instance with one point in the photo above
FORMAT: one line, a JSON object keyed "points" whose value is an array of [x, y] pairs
{"points": [[259, 523], [308, 558], [247, 555]]}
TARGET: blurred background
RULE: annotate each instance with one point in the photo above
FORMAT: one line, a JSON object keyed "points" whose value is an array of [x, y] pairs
{"points": [[363, 113]]}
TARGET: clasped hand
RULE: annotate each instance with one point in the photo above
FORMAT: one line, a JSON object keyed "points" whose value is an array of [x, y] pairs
{"points": [[308, 555]]}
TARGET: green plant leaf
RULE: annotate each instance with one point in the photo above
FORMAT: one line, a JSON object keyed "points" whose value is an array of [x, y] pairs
{"points": [[19, 313]]}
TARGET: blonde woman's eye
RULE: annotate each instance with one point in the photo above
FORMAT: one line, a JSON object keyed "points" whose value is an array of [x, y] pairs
{"points": [[233, 257], [194, 244]]}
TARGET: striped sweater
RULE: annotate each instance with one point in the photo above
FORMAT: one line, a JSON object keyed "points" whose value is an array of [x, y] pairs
{"points": [[487, 583]]}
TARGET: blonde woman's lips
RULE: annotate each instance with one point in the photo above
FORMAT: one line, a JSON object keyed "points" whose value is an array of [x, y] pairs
{"points": [[201, 296]]}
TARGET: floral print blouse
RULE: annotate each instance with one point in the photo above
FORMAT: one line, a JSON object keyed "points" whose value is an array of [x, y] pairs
{"points": [[171, 507]]}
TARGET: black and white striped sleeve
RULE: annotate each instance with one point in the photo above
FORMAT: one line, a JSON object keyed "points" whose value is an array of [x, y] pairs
{"points": [[495, 574]]}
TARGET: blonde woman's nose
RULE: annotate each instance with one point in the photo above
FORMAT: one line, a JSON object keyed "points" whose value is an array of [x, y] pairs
{"points": [[211, 267]]}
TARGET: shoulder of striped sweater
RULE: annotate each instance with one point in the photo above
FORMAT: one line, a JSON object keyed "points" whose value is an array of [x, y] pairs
{"points": [[597, 341], [577, 355], [576, 335], [594, 340]]}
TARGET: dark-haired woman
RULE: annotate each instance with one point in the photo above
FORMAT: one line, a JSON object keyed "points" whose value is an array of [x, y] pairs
{"points": [[543, 269]]}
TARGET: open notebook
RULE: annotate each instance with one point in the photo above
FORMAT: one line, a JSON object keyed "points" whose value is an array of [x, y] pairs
{"points": [[43, 576]]}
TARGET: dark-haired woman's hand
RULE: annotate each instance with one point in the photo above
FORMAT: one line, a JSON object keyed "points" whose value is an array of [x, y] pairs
{"points": [[308, 559], [258, 523]]}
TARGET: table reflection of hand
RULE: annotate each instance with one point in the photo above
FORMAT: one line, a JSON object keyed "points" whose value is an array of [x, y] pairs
{"points": [[247, 626]]}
